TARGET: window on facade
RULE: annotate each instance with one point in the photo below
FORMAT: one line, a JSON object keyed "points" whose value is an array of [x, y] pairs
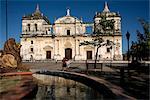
{"points": [[108, 50], [68, 32], [108, 41], [31, 49], [31, 42], [46, 31], [28, 27], [36, 29]]}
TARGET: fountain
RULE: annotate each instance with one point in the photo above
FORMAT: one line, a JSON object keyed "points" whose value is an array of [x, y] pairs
{"points": [[56, 88]]}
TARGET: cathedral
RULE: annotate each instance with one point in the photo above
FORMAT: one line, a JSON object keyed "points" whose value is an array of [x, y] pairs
{"points": [[42, 40]]}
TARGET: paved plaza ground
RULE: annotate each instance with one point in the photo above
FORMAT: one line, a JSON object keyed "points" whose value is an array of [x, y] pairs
{"points": [[51, 65]]}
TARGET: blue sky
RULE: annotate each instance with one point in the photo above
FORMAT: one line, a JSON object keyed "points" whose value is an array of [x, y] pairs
{"points": [[130, 11]]}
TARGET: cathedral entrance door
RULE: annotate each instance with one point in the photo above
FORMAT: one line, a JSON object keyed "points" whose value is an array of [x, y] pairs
{"points": [[89, 54], [48, 54], [68, 53]]}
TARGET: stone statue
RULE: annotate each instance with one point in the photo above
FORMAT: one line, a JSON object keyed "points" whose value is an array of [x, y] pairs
{"points": [[11, 54]]}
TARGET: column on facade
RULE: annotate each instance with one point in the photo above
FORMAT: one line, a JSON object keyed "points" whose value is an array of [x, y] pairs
{"points": [[95, 49], [78, 47], [75, 26], [38, 50], [54, 48], [75, 38], [114, 47], [75, 48], [31, 27], [23, 28], [40, 28], [58, 47]]}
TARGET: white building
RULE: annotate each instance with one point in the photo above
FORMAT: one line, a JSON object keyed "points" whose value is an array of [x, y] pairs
{"points": [[42, 40]]}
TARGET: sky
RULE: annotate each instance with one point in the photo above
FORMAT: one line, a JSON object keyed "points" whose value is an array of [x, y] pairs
{"points": [[130, 11]]}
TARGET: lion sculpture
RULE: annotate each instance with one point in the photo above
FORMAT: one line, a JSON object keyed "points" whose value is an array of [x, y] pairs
{"points": [[11, 54]]}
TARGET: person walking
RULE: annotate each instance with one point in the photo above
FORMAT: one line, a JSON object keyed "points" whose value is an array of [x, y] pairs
{"points": [[68, 62], [56, 60], [64, 65]]}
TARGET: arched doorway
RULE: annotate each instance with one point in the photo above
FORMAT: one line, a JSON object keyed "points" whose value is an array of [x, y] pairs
{"points": [[68, 53], [48, 49], [89, 54], [48, 54]]}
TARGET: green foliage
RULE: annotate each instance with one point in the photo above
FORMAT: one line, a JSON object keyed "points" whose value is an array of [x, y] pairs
{"points": [[104, 25], [141, 48], [107, 24], [95, 42]]}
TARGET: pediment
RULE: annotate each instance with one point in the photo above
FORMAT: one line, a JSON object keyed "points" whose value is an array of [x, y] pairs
{"points": [[88, 47], [48, 47], [67, 19], [67, 44]]}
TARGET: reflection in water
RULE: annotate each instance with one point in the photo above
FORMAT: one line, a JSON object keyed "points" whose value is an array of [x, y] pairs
{"points": [[58, 88]]}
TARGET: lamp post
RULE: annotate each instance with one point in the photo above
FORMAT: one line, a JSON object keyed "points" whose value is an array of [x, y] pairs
{"points": [[6, 22], [128, 39]]}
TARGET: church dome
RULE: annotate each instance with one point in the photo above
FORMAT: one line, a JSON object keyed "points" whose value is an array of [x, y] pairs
{"points": [[36, 15], [68, 19]]}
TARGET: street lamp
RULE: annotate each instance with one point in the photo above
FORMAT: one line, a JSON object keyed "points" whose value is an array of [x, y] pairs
{"points": [[6, 22], [128, 39]]}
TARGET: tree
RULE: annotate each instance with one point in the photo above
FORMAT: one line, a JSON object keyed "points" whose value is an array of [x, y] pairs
{"points": [[141, 48], [100, 29]]}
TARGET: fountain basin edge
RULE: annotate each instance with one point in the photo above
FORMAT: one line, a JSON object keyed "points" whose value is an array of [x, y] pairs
{"points": [[108, 89]]}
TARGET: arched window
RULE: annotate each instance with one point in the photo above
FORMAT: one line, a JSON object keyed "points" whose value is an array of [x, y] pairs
{"points": [[36, 28], [28, 27], [108, 50], [68, 32], [31, 42], [108, 42], [31, 49]]}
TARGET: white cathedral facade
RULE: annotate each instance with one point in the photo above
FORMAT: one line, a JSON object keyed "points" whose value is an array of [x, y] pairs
{"points": [[42, 40]]}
